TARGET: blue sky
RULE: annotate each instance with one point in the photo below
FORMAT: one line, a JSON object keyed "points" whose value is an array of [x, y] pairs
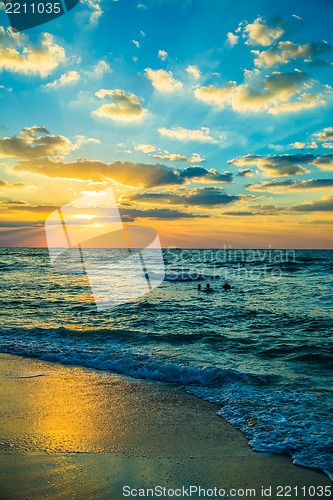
{"points": [[220, 113]]}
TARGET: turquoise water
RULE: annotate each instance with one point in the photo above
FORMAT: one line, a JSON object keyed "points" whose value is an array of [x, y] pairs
{"points": [[262, 350]]}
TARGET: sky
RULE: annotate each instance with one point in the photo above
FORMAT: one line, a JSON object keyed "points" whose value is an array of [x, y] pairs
{"points": [[211, 121]]}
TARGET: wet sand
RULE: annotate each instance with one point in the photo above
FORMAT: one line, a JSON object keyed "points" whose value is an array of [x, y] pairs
{"points": [[69, 432]]}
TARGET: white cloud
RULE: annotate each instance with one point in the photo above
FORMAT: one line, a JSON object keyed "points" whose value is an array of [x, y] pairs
{"points": [[324, 162], [95, 11], [303, 145], [17, 55], [65, 79], [277, 166], [146, 148], [185, 135], [286, 51], [275, 94], [136, 43], [125, 106], [262, 32], [194, 71], [163, 81], [82, 140], [195, 158], [162, 54], [99, 69], [35, 142], [232, 39], [324, 135]]}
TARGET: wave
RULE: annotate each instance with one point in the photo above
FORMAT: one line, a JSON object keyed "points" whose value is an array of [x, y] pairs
{"points": [[281, 421], [133, 362], [13, 266], [275, 417]]}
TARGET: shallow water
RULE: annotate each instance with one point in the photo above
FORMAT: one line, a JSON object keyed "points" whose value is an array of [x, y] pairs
{"points": [[262, 350]]}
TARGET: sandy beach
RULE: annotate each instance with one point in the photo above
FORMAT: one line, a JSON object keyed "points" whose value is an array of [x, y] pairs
{"points": [[69, 432]]}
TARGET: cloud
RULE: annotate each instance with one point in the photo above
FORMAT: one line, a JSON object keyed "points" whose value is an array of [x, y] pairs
{"points": [[187, 135], [239, 213], [12, 203], [130, 214], [294, 145], [163, 81], [194, 72], [136, 43], [82, 140], [285, 185], [72, 77], [303, 145], [127, 173], [35, 142], [286, 164], [323, 205], [245, 172], [146, 148], [286, 51], [276, 166], [162, 54], [195, 158], [324, 162], [210, 196], [256, 210], [277, 93], [17, 55], [232, 39], [304, 101], [262, 32], [99, 69], [202, 174], [207, 196], [266, 209], [324, 135], [95, 9], [65, 79], [125, 106], [8, 185]]}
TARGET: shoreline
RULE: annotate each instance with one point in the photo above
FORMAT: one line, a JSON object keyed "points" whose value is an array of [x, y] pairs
{"points": [[76, 432]]}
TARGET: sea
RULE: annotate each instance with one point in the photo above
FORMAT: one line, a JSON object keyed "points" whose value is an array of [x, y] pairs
{"points": [[261, 350]]}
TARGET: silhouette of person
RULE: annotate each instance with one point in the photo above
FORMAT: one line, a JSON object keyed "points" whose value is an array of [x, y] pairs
{"points": [[208, 289], [226, 285], [199, 287]]}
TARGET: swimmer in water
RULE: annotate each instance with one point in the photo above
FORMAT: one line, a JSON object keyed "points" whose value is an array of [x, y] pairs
{"points": [[208, 289], [199, 287], [226, 285]]}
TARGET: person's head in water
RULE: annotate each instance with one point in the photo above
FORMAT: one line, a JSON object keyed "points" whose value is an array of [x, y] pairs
{"points": [[226, 285], [208, 288], [199, 287]]}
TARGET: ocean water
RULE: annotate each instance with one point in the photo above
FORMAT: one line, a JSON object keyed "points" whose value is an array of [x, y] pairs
{"points": [[262, 350]]}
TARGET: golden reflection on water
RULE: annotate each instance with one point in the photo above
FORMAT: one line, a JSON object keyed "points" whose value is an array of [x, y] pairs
{"points": [[61, 414]]}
